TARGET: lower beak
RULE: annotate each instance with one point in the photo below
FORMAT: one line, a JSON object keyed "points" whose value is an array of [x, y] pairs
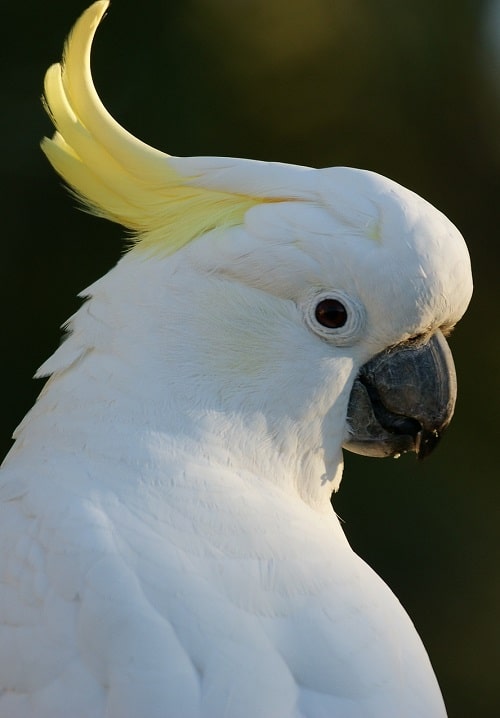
{"points": [[403, 399]]}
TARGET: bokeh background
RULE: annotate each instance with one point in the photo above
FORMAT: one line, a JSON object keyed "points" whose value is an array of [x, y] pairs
{"points": [[409, 89]]}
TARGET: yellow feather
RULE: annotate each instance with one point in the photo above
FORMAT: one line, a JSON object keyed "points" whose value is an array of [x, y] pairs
{"points": [[116, 175]]}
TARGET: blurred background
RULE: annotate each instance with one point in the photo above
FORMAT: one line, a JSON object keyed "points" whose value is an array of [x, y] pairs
{"points": [[408, 89]]}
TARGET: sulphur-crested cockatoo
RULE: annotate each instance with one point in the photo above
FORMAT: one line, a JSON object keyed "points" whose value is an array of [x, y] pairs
{"points": [[167, 544]]}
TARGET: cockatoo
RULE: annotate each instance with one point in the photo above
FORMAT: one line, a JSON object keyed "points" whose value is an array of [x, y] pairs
{"points": [[168, 547]]}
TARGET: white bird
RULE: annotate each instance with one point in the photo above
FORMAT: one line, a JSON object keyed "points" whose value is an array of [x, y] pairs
{"points": [[168, 547]]}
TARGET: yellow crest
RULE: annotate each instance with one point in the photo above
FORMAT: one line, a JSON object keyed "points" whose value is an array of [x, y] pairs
{"points": [[116, 175]]}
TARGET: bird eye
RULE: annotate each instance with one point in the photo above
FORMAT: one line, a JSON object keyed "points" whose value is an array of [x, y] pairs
{"points": [[336, 316], [331, 313]]}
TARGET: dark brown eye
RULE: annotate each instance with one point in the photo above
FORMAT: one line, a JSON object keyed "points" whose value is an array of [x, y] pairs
{"points": [[331, 313]]}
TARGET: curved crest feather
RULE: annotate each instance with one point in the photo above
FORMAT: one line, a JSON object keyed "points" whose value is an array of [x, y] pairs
{"points": [[114, 174]]}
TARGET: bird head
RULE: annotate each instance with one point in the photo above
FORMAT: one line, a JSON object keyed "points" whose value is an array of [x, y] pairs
{"points": [[306, 308]]}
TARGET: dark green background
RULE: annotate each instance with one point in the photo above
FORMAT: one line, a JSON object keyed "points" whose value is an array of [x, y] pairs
{"points": [[402, 88]]}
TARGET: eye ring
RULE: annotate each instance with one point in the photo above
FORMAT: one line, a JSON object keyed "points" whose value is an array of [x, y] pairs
{"points": [[335, 316]]}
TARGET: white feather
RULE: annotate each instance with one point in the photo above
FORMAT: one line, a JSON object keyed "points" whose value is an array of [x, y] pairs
{"points": [[167, 543]]}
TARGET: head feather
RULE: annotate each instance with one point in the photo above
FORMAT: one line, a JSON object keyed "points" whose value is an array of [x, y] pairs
{"points": [[117, 176]]}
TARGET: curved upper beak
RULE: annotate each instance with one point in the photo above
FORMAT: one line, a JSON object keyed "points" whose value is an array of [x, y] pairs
{"points": [[403, 399]]}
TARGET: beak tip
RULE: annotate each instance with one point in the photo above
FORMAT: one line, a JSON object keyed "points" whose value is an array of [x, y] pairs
{"points": [[425, 443]]}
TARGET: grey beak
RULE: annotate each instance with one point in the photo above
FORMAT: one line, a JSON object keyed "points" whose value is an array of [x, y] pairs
{"points": [[403, 399]]}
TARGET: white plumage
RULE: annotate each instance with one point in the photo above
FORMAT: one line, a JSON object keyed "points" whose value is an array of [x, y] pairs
{"points": [[167, 543]]}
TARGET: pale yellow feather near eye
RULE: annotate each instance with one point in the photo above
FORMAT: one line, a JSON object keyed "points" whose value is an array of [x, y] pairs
{"points": [[115, 175]]}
